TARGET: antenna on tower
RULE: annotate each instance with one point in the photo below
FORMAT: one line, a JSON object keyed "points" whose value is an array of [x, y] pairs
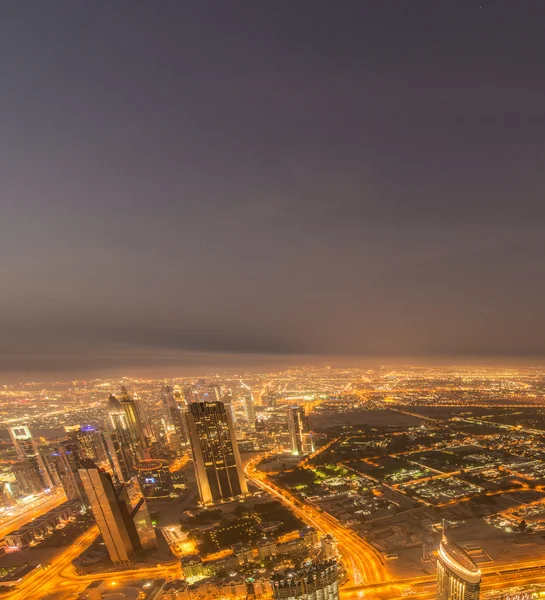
{"points": [[443, 536]]}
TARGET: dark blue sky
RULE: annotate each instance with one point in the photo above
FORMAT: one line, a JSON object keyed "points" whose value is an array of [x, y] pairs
{"points": [[186, 180]]}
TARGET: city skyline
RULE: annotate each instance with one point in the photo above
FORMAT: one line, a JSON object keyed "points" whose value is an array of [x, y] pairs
{"points": [[330, 483], [271, 312]]}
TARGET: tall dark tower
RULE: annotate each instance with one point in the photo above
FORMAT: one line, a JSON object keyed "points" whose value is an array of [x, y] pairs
{"points": [[215, 452], [111, 514]]}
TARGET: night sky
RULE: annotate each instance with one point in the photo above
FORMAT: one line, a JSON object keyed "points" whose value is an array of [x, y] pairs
{"points": [[204, 182]]}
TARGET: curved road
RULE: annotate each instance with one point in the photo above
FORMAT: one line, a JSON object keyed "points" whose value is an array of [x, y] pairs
{"points": [[362, 561]]}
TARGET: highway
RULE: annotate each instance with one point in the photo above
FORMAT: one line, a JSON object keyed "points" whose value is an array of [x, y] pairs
{"points": [[60, 575], [362, 561], [494, 578], [48, 578], [32, 510]]}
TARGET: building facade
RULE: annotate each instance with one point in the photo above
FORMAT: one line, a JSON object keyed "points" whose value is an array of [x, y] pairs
{"points": [[175, 407], [458, 577], [112, 515], [216, 457], [320, 581], [300, 437], [27, 450]]}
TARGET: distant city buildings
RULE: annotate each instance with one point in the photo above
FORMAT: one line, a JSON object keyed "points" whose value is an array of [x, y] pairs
{"points": [[300, 437], [27, 450], [458, 577], [216, 457], [27, 478], [91, 443], [249, 405]]}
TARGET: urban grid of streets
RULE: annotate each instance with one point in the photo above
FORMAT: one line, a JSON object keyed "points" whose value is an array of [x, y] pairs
{"points": [[367, 571], [365, 567]]}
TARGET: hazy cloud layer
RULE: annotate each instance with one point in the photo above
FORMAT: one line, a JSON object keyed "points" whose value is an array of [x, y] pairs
{"points": [[190, 180]]}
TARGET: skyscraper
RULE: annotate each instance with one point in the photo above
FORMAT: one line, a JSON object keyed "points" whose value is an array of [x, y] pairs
{"points": [[215, 452], [27, 478], [127, 424], [27, 450], [136, 419], [91, 444], [65, 459], [174, 409], [249, 406], [458, 577], [121, 455], [108, 512], [228, 403], [125, 530], [320, 581], [300, 437]]}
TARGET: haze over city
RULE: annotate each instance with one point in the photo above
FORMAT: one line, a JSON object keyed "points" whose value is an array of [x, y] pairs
{"points": [[272, 278], [199, 179]]}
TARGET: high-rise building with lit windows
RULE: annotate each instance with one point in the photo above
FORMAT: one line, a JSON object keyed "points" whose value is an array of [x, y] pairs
{"points": [[111, 514], [128, 422], [136, 419], [28, 451], [458, 577], [27, 478], [91, 444], [301, 441], [216, 457]]}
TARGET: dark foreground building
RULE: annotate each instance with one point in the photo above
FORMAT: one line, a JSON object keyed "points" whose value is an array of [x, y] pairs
{"points": [[215, 452]]}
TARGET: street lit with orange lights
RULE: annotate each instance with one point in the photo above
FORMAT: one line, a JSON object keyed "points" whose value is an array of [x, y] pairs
{"points": [[19, 516], [362, 561]]}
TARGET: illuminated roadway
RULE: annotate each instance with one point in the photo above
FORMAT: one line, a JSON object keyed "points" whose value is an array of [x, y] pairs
{"points": [[368, 576], [48, 577], [362, 561], [60, 575], [31, 511]]}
